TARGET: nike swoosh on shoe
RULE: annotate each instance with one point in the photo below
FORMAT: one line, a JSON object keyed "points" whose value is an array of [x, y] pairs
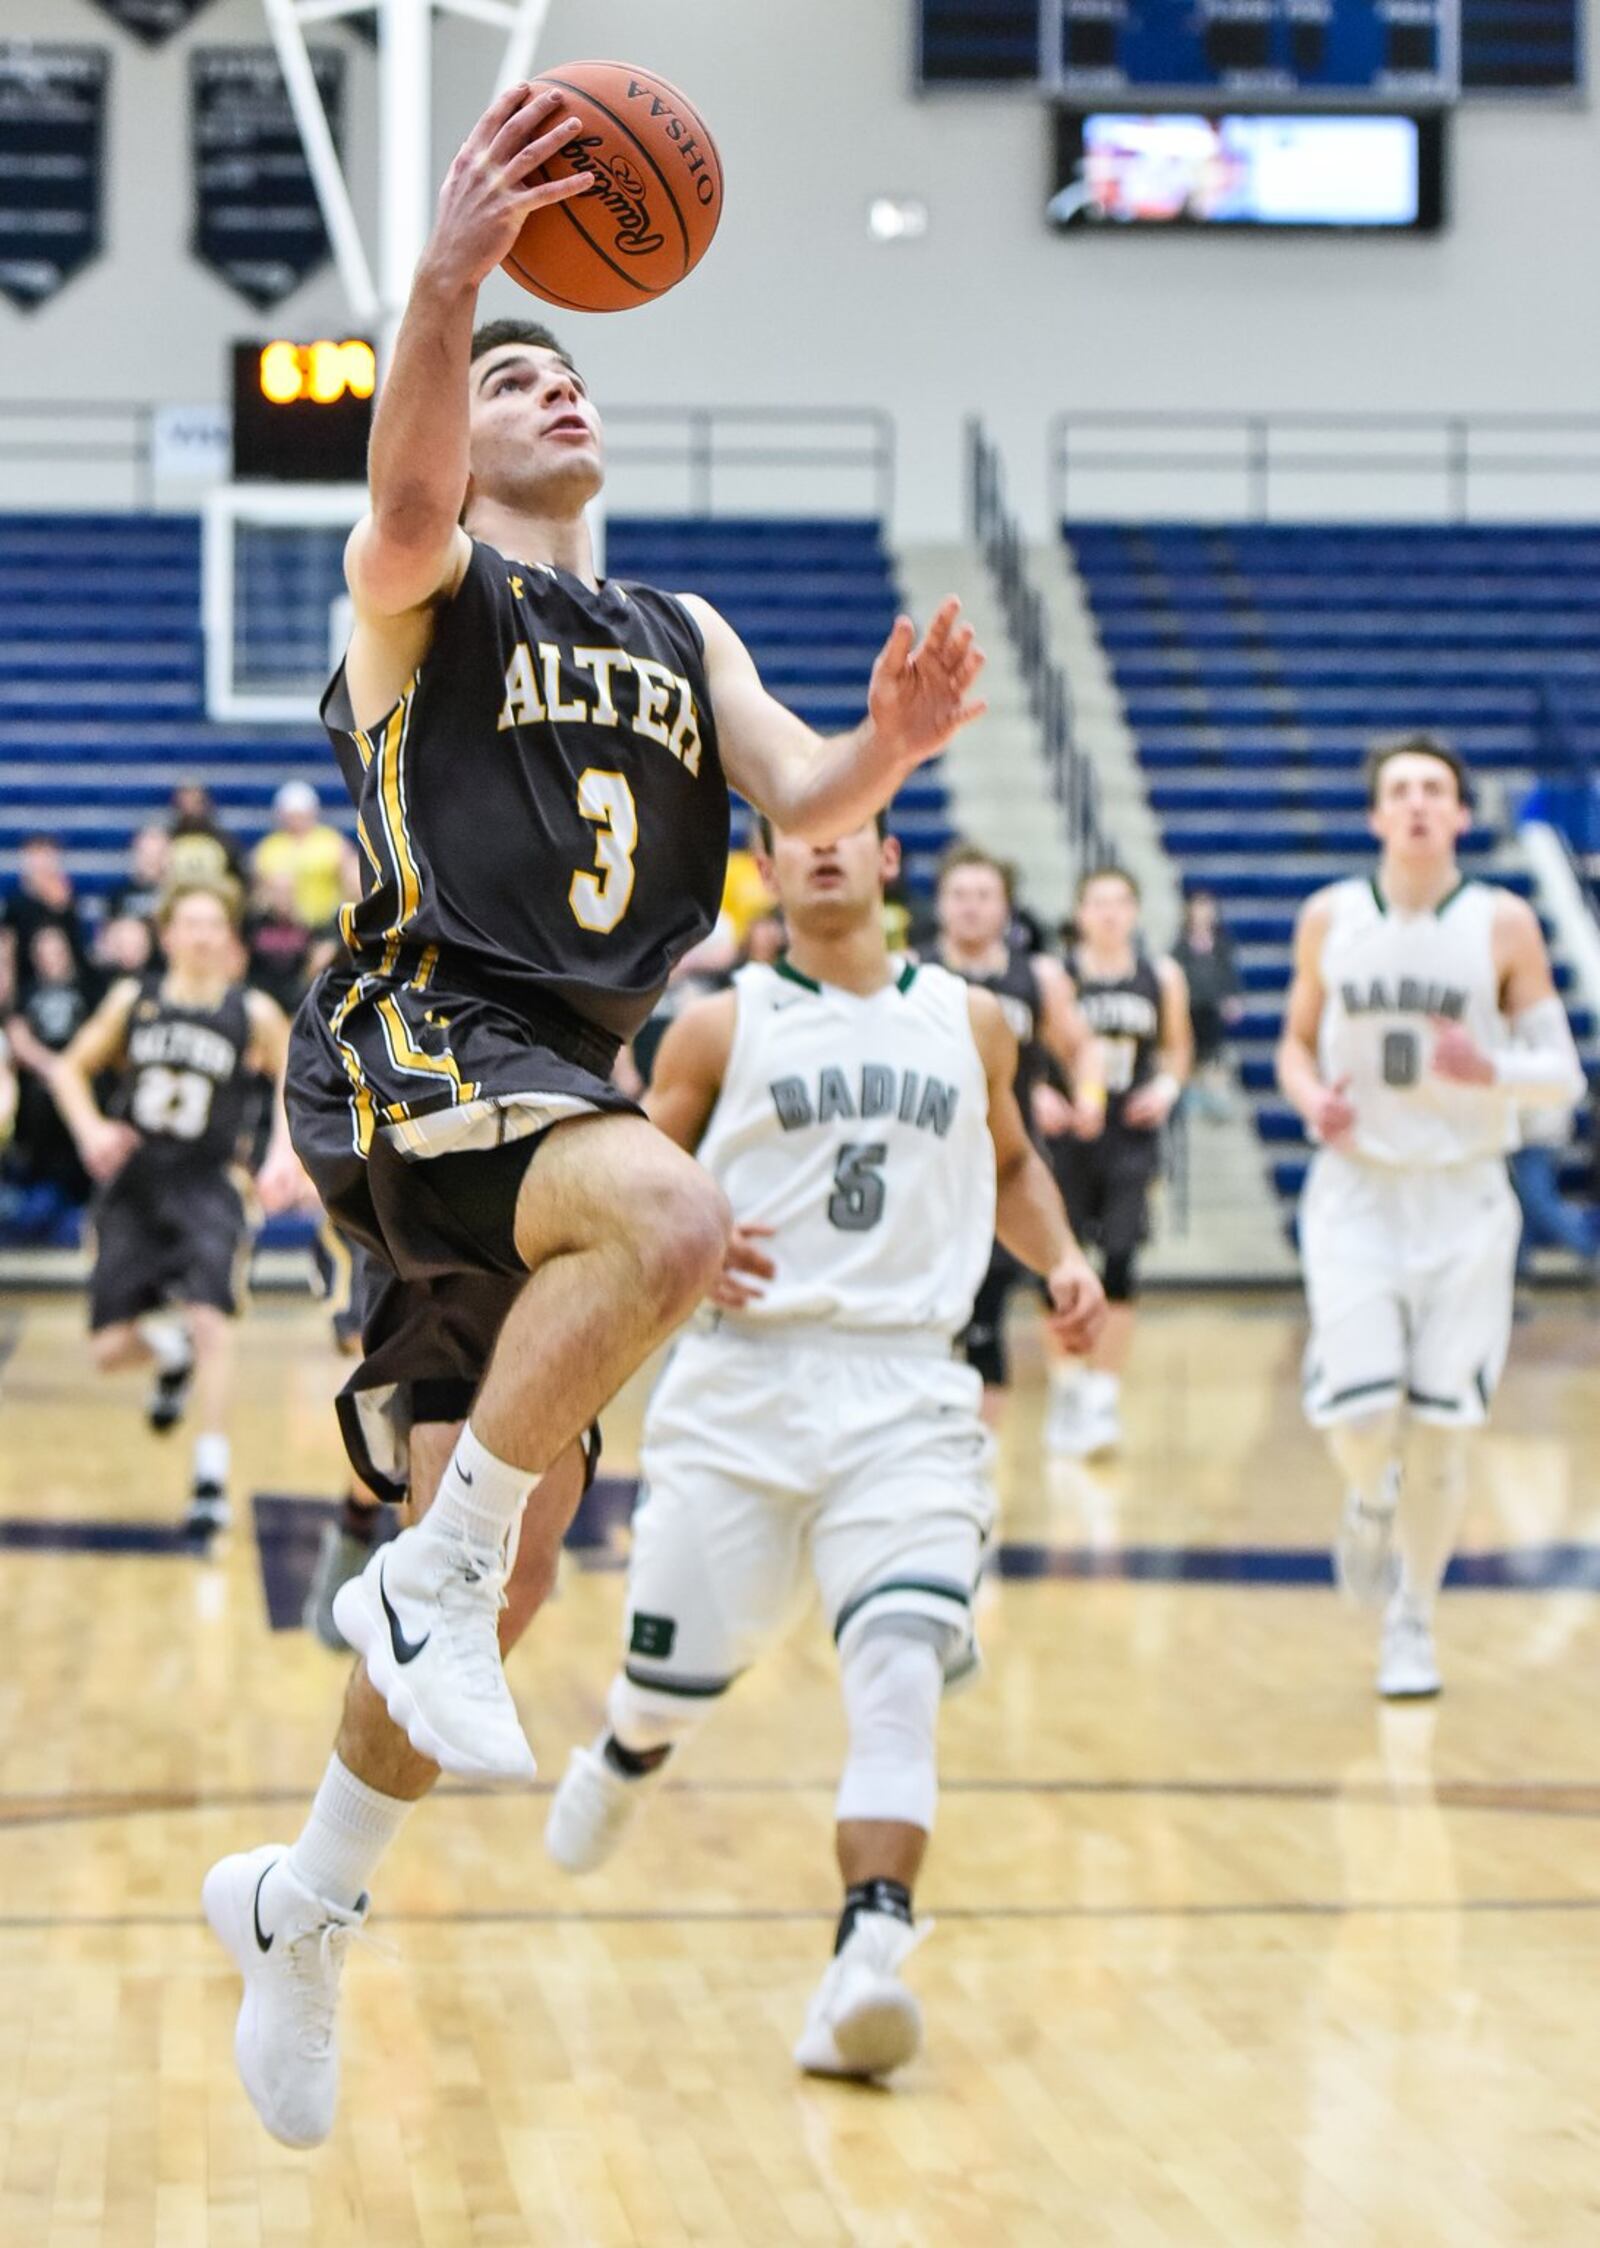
{"points": [[405, 1650], [263, 1941]]}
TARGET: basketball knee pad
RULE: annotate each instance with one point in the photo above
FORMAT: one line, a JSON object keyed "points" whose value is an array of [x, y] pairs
{"points": [[1363, 1448], [649, 1717], [893, 1675], [1120, 1277]]}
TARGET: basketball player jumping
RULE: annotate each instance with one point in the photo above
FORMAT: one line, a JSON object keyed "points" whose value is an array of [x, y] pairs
{"points": [[858, 1112], [1409, 988], [1138, 1008], [172, 1221], [541, 764], [974, 904]]}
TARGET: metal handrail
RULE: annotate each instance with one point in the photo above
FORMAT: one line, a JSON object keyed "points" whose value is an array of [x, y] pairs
{"points": [[1073, 779], [131, 448], [704, 441], [1266, 446]]}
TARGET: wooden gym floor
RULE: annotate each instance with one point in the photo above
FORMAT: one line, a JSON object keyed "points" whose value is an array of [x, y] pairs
{"points": [[1226, 1954]]}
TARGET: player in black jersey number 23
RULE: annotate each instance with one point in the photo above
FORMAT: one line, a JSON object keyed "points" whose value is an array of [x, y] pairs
{"points": [[541, 761], [172, 1219]]}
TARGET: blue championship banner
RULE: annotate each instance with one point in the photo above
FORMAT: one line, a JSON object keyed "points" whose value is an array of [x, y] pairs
{"points": [[52, 166], [257, 222], [152, 20]]}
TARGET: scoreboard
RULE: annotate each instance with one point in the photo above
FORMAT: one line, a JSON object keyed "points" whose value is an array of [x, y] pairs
{"points": [[1322, 53]]}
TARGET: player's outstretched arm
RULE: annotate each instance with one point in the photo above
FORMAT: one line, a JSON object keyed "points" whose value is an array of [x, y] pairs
{"points": [[104, 1142], [409, 552], [1326, 1112], [281, 1181], [821, 787], [1542, 1068], [401, 555], [1030, 1217]]}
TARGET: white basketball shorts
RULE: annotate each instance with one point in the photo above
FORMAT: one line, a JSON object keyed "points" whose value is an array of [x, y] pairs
{"points": [[1409, 1281], [774, 1462]]}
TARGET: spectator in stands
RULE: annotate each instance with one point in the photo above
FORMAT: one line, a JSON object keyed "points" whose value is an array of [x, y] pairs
{"points": [[124, 946], [1204, 951], [279, 941], [200, 848], [43, 1167], [43, 899], [138, 894], [303, 847], [745, 896]]}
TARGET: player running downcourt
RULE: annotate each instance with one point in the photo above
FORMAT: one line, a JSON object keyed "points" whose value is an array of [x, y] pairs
{"points": [[857, 1110], [1422, 1016], [1138, 1008], [172, 1221], [540, 762], [975, 904]]}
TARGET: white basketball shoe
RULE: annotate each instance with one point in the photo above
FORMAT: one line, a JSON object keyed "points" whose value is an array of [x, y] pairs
{"points": [[424, 1617], [862, 2020], [1408, 1668], [289, 1947], [592, 1810]]}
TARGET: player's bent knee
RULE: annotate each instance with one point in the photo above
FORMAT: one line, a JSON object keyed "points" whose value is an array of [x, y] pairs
{"points": [[645, 1717], [1363, 1445], [207, 1326], [114, 1347], [683, 1239], [892, 1672]]}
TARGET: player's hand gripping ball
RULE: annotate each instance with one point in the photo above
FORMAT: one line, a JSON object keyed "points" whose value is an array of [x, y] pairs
{"points": [[649, 218]]}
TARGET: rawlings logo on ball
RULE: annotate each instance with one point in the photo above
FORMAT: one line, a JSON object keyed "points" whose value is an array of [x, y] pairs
{"points": [[620, 191]]}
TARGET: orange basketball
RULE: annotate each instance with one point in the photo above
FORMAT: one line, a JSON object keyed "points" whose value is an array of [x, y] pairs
{"points": [[649, 219]]}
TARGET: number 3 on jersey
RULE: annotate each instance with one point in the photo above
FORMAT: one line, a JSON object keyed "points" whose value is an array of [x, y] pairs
{"points": [[599, 900]]}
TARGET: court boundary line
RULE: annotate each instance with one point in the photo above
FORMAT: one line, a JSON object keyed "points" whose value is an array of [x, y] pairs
{"points": [[649, 1916], [1518, 1798]]}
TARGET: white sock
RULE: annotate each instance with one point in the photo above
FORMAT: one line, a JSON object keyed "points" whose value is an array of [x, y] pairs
{"points": [[211, 1459], [167, 1339], [1068, 1376], [1104, 1387], [480, 1497], [350, 1827]]}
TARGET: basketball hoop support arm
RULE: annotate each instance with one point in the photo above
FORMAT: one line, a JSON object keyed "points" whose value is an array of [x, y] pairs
{"points": [[405, 133]]}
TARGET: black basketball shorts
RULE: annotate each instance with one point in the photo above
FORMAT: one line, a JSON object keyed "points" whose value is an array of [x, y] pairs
{"points": [[1105, 1184], [984, 1340], [417, 1112], [180, 1238]]}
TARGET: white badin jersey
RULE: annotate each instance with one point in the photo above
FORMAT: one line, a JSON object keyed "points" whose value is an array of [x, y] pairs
{"points": [[1384, 974], [859, 1129]]}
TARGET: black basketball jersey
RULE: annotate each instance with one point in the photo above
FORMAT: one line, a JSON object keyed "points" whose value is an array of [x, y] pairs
{"points": [[544, 809], [185, 1084], [1124, 1012], [1016, 986]]}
